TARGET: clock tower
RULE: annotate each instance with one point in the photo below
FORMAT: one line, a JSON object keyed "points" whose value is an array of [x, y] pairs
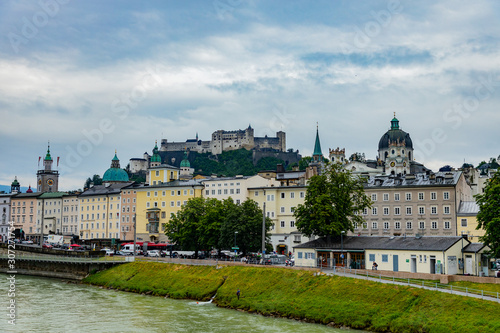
{"points": [[47, 179]]}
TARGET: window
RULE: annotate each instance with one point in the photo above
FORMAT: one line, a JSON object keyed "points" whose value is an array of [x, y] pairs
{"points": [[408, 196], [434, 225], [355, 225], [163, 214], [434, 210], [372, 257], [256, 193], [446, 209], [433, 195], [421, 225], [421, 210], [282, 209], [420, 256], [396, 196], [446, 195], [207, 192], [282, 195], [408, 210], [365, 225], [408, 225], [374, 211], [156, 193], [397, 225], [374, 225], [172, 193], [464, 222], [163, 203], [386, 210], [225, 191], [219, 191], [172, 203], [386, 225], [292, 224], [447, 224], [302, 194], [282, 224], [148, 194], [397, 211], [374, 197], [185, 192], [365, 211], [164, 193], [178, 203], [386, 196], [270, 197], [299, 255], [420, 195], [296, 238], [385, 258], [292, 195], [157, 173], [147, 204]]}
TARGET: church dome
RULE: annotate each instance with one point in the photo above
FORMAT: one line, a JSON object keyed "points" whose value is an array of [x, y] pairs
{"points": [[115, 173], [395, 135], [185, 162]]}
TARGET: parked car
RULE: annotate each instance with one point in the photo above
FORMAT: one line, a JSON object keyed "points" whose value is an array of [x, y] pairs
{"points": [[46, 246], [27, 242], [109, 252], [153, 253]]}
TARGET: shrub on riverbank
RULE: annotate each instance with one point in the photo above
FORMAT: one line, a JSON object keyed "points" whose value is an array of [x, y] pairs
{"points": [[302, 295]]}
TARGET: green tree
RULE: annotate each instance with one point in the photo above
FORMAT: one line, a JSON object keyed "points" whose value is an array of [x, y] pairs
{"points": [[488, 217], [332, 203], [197, 225], [245, 221]]}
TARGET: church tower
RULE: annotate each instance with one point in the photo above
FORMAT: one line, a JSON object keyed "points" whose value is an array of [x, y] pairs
{"points": [[47, 179], [156, 158], [396, 150], [15, 187]]}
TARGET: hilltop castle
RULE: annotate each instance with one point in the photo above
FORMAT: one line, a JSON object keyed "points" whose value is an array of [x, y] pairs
{"points": [[229, 140]]}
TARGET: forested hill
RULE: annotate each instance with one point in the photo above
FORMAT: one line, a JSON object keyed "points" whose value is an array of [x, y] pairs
{"points": [[229, 163]]}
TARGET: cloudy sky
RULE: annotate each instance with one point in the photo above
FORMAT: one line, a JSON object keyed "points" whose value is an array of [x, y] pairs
{"points": [[95, 76]]}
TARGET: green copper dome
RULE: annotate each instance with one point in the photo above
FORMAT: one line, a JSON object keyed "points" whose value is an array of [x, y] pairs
{"points": [[48, 157], [15, 182], [115, 173], [156, 157], [185, 162]]}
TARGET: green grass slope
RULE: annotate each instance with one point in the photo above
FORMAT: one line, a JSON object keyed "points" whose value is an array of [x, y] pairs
{"points": [[303, 295]]}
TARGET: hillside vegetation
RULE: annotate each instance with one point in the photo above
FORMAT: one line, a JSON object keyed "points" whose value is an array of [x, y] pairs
{"points": [[304, 295]]}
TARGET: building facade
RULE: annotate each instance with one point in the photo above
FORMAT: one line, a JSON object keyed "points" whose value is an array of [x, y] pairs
{"points": [[5, 217], [414, 204], [24, 215], [47, 178], [70, 215]]}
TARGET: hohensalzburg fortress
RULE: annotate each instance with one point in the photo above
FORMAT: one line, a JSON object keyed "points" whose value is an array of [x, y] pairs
{"points": [[228, 140]]}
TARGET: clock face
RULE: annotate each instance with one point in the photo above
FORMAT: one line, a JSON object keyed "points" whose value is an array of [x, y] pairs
{"points": [[393, 164], [404, 164], [39, 182], [50, 182]]}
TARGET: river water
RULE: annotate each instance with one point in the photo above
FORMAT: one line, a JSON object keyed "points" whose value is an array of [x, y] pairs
{"points": [[52, 305]]}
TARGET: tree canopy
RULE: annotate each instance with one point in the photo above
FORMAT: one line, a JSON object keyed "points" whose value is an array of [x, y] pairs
{"points": [[488, 217], [208, 223], [332, 203]]}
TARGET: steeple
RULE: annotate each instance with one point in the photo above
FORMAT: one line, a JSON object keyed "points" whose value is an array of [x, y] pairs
{"points": [[15, 187], [155, 159], [394, 123], [115, 162], [317, 154], [48, 157]]}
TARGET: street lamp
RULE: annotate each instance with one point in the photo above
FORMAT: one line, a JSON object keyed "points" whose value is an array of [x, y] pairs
{"points": [[235, 245], [342, 246]]}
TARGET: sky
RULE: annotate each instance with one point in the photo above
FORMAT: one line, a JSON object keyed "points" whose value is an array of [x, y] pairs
{"points": [[93, 77]]}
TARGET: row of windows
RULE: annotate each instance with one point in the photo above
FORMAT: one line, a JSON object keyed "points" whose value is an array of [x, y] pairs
{"points": [[19, 203], [408, 225], [97, 224], [103, 199], [408, 196], [99, 207], [225, 184], [292, 224], [408, 210], [270, 197], [164, 204], [103, 235], [219, 192], [99, 216], [172, 193], [127, 200], [385, 257]]}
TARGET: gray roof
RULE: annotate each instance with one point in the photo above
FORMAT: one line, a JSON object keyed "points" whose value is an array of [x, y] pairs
{"points": [[105, 189], [430, 243], [468, 208], [290, 175], [175, 183], [415, 180], [474, 247], [226, 178]]}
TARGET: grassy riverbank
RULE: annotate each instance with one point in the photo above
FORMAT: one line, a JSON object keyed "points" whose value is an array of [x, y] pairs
{"points": [[302, 295]]}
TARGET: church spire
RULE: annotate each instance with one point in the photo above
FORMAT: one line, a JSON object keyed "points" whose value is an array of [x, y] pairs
{"points": [[317, 146], [48, 157]]}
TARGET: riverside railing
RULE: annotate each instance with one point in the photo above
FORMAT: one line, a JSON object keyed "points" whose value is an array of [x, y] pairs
{"points": [[427, 284]]}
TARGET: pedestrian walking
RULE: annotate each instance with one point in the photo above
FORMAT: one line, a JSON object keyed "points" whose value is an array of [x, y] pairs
{"points": [[238, 293]]}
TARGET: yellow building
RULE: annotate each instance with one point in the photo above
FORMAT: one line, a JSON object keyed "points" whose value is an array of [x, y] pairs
{"points": [[280, 204], [100, 211], [156, 203], [467, 222]]}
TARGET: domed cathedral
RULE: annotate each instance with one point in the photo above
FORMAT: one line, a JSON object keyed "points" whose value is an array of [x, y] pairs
{"points": [[115, 174], [395, 150], [47, 179], [186, 170]]}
